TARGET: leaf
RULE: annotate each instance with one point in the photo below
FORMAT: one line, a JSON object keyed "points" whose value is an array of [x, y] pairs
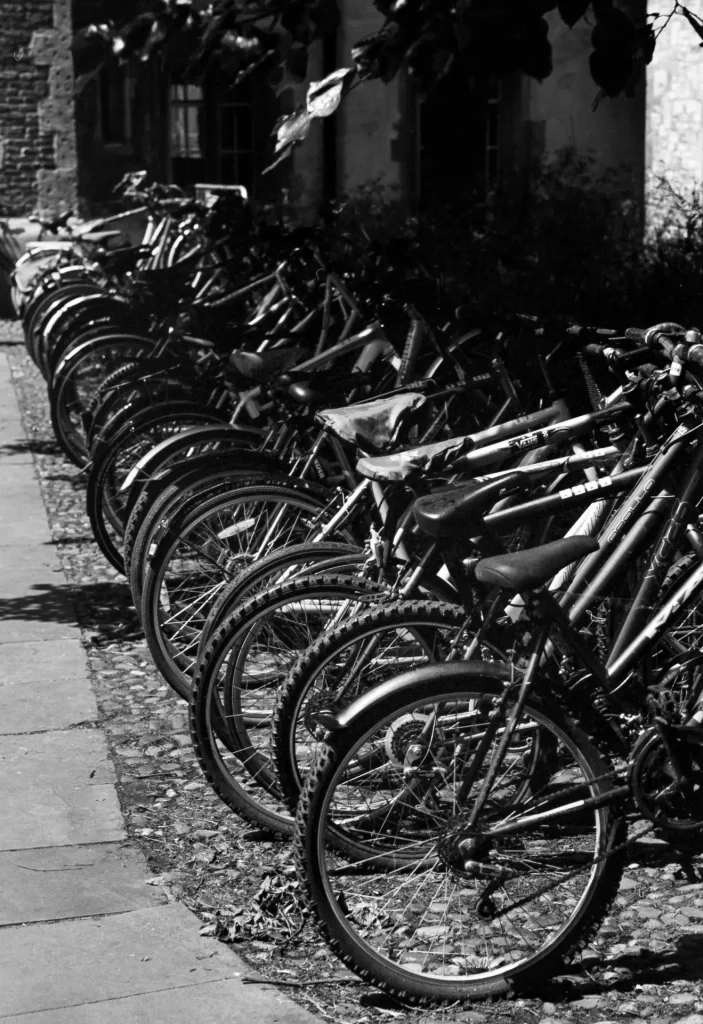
{"points": [[611, 70], [381, 54], [535, 55], [289, 130], [295, 19], [694, 22], [133, 36], [90, 46], [161, 29], [572, 11], [325, 96], [645, 41], [614, 31]]}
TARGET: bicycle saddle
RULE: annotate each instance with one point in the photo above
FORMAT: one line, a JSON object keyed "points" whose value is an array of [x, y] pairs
{"points": [[428, 458], [261, 366], [459, 512], [527, 570], [373, 425]]}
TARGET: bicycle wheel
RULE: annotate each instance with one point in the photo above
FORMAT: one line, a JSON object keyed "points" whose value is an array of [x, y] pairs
{"points": [[201, 551], [182, 487], [112, 462], [80, 316], [76, 381], [355, 657], [237, 679], [448, 924], [47, 303], [282, 566]]}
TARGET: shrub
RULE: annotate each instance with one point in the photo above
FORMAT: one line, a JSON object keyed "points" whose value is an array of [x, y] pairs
{"points": [[563, 240]]}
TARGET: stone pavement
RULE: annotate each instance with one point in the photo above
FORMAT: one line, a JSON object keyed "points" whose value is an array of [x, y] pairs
{"points": [[83, 938]]}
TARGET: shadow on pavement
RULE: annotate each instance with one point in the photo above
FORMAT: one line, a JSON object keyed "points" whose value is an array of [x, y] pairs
{"points": [[37, 447], [105, 608]]}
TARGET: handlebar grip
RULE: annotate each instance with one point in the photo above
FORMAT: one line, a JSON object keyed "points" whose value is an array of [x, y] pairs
{"points": [[637, 334]]}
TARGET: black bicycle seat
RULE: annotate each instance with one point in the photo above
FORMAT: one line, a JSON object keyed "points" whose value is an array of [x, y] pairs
{"points": [[262, 366], [426, 459], [459, 512], [374, 425], [527, 570]]}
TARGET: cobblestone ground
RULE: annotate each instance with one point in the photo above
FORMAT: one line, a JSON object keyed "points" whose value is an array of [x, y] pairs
{"points": [[646, 962]]}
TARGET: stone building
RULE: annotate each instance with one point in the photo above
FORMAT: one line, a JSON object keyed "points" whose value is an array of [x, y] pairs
{"points": [[38, 161], [57, 152]]}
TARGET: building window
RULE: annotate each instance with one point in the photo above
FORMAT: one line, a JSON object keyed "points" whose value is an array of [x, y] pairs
{"points": [[187, 161], [115, 91], [459, 141], [211, 135], [235, 130], [493, 101]]}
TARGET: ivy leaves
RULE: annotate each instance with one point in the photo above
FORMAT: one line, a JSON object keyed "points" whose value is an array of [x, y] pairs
{"points": [[491, 38], [228, 37], [322, 99], [572, 11], [425, 38]]}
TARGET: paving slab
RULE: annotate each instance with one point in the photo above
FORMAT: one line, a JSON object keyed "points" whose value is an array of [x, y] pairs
{"points": [[10, 398], [57, 790], [59, 883], [35, 601], [14, 448], [97, 959], [44, 685], [22, 512], [219, 1002]]}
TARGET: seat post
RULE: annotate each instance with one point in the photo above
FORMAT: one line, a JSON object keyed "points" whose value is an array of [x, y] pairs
{"points": [[544, 608]]}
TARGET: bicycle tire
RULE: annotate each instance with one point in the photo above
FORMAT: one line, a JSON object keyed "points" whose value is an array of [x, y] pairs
{"points": [[103, 499], [296, 495], [399, 971], [177, 488], [227, 651], [327, 557], [416, 619], [67, 404]]}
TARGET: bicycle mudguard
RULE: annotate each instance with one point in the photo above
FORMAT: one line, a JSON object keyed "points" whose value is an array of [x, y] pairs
{"points": [[194, 469], [163, 451], [146, 417], [425, 682]]}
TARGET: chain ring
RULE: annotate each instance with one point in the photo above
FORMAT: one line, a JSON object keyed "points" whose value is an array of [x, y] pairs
{"points": [[653, 778]]}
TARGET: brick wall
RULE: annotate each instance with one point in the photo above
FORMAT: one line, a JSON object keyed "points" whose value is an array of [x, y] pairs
{"points": [[37, 132]]}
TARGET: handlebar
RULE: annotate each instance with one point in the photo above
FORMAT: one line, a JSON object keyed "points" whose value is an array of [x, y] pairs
{"points": [[618, 358], [55, 225]]}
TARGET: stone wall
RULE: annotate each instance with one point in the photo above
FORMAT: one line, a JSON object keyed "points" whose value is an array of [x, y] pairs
{"points": [[559, 113], [675, 111], [374, 130], [37, 131]]}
